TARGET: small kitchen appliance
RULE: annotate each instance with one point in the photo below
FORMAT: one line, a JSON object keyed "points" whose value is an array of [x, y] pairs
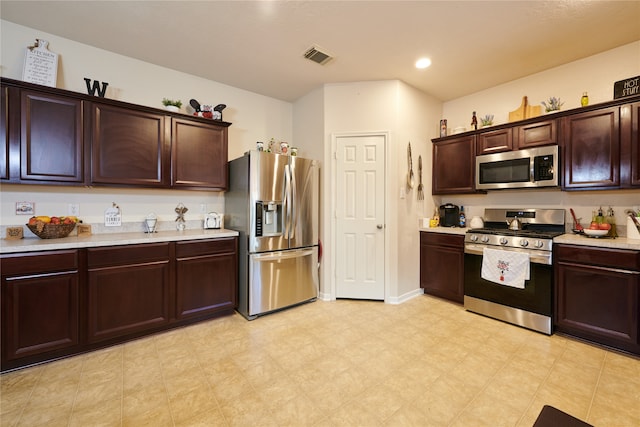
{"points": [[532, 306], [449, 215], [212, 220]]}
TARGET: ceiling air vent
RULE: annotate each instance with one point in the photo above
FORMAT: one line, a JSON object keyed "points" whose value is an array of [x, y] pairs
{"points": [[316, 55]]}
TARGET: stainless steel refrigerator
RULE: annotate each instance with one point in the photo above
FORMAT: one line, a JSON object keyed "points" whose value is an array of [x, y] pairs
{"points": [[273, 203]]}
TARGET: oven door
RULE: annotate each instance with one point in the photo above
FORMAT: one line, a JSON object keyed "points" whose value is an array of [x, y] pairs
{"points": [[530, 307]]}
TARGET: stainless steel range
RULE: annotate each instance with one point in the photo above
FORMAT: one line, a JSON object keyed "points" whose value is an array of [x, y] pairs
{"points": [[525, 231]]}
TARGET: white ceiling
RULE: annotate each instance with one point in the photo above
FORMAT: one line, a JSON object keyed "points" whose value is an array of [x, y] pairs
{"points": [[258, 45]]}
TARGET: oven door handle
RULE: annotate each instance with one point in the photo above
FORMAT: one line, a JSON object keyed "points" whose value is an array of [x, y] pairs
{"points": [[534, 258]]}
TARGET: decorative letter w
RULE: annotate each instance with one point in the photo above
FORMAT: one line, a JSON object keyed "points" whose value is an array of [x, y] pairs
{"points": [[91, 90]]}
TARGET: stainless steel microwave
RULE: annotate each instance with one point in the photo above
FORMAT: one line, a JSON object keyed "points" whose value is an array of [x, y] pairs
{"points": [[530, 168]]}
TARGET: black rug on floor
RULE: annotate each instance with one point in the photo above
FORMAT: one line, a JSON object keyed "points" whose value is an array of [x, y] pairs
{"points": [[552, 417]]}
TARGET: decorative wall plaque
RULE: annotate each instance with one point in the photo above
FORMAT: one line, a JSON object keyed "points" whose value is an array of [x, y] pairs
{"points": [[627, 87], [40, 64]]}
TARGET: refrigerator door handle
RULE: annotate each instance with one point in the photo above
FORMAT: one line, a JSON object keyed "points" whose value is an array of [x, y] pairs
{"points": [[287, 202], [293, 219], [283, 255]]}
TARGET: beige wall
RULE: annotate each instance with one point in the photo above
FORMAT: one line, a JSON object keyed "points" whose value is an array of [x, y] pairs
{"points": [[402, 112], [254, 117], [595, 75]]}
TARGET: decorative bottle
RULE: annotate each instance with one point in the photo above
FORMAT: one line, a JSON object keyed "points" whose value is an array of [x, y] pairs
{"points": [[611, 220], [584, 101], [463, 218]]}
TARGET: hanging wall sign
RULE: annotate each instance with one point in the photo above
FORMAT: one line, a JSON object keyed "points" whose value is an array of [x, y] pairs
{"points": [[40, 64], [627, 87]]}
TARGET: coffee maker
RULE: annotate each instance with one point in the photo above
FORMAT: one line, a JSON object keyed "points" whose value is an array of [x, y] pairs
{"points": [[449, 215]]}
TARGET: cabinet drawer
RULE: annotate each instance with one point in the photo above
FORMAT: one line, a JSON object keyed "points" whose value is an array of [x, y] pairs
{"points": [[205, 247], [495, 141], [38, 262], [442, 239], [120, 255], [539, 133], [613, 258]]}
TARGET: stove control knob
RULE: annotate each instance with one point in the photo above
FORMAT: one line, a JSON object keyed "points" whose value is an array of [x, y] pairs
{"points": [[503, 241], [524, 243], [485, 239], [473, 238], [538, 243]]}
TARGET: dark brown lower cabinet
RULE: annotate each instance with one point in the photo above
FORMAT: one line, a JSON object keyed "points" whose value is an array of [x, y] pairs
{"points": [[64, 302], [206, 277], [40, 306], [441, 265], [598, 295], [128, 290]]}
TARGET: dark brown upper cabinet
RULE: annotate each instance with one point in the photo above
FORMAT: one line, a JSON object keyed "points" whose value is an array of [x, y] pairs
{"points": [[54, 136], [51, 138], [630, 145], [4, 134], [454, 165], [518, 137], [128, 147], [198, 155], [592, 149], [495, 141], [537, 134]]}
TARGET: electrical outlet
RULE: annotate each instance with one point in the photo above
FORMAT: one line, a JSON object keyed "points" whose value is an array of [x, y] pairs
{"points": [[203, 208], [74, 209]]}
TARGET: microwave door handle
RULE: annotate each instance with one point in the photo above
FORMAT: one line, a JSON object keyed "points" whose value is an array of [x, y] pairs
{"points": [[532, 170]]}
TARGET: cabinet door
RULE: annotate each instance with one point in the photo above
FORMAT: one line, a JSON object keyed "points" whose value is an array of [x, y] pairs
{"points": [[206, 277], [128, 147], [199, 155], [598, 303], [630, 145], [495, 141], [441, 265], [454, 165], [537, 134], [592, 149], [4, 135], [51, 140], [128, 290], [39, 305]]}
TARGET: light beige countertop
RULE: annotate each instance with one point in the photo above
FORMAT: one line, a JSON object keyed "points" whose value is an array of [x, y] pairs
{"points": [[32, 244], [445, 230], [617, 243]]}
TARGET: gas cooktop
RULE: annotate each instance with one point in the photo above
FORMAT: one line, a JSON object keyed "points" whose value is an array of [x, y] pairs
{"points": [[540, 234]]}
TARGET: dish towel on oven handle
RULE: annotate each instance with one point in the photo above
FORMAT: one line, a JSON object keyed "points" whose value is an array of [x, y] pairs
{"points": [[507, 268]]}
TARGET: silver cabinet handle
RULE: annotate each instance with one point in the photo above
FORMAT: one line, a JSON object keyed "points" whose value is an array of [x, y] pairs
{"points": [[380, 226]]}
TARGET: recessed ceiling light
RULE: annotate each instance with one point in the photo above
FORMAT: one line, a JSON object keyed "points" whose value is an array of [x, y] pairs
{"points": [[423, 63]]}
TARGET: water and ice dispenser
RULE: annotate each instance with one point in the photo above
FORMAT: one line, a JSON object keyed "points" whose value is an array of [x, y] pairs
{"points": [[268, 219]]}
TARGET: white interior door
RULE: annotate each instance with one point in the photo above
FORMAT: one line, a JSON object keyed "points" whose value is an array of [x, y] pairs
{"points": [[360, 222]]}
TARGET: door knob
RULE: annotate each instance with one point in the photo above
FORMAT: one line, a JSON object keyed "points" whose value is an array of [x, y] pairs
{"points": [[380, 226]]}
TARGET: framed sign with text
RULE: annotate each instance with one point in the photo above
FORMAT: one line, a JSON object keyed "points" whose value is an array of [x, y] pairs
{"points": [[627, 87], [40, 64]]}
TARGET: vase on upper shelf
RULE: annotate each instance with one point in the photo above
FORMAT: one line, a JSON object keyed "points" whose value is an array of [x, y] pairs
{"points": [[552, 105], [171, 105], [487, 120]]}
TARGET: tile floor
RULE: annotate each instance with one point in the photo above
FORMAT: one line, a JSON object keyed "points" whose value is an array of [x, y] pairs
{"points": [[425, 362]]}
